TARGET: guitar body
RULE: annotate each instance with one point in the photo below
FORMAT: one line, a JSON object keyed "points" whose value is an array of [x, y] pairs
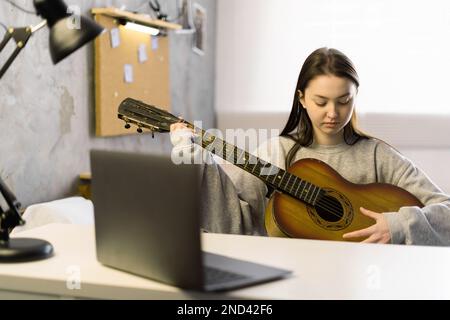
{"points": [[339, 213]]}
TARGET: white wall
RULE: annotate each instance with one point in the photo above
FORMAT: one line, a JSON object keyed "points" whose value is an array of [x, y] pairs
{"points": [[400, 49]]}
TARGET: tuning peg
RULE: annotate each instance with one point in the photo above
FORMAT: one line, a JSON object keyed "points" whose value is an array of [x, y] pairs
{"points": [[127, 126], [139, 130], [153, 135]]}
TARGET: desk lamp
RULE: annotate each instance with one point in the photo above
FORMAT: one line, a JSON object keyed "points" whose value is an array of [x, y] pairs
{"points": [[63, 41]]}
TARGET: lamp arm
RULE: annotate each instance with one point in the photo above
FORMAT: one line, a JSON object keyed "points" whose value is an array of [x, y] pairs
{"points": [[21, 36], [9, 218]]}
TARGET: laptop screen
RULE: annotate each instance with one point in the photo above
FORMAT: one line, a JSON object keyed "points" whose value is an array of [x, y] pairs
{"points": [[147, 217]]}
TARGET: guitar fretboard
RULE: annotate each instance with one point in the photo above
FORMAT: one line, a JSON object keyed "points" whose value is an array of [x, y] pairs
{"points": [[155, 119], [273, 176]]}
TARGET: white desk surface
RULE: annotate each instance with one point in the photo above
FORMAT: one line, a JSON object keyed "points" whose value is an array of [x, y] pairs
{"points": [[322, 270]]}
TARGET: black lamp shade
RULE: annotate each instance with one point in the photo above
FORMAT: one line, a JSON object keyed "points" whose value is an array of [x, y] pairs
{"points": [[64, 37], [65, 40]]}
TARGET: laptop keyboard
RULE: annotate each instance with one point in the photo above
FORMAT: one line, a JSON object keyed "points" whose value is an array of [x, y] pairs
{"points": [[216, 276]]}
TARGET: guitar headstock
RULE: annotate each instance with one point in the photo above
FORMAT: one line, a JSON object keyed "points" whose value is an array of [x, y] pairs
{"points": [[145, 116]]}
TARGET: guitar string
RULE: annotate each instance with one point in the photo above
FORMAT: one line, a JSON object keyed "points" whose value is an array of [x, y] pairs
{"points": [[329, 206], [326, 204]]}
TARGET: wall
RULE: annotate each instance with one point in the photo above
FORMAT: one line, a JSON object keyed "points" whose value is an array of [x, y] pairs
{"points": [[47, 112], [397, 47], [401, 60]]}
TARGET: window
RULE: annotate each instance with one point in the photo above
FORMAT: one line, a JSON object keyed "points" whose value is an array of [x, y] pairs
{"points": [[400, 49]]}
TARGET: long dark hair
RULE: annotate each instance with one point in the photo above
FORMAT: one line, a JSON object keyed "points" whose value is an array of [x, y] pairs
{"points": [[323, 61]]}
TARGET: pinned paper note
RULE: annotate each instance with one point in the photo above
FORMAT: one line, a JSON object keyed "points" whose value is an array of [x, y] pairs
{"points": [[142, 53], [128, 73], [115, 37], [155, 43]]}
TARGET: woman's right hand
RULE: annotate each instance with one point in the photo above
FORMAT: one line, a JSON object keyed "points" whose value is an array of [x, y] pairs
{"points": [[180, 134], [178, 126], [186, 148]]}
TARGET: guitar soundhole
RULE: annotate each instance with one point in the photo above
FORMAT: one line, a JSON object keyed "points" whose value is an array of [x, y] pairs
{"points": [[333, 212], [329, 209]]}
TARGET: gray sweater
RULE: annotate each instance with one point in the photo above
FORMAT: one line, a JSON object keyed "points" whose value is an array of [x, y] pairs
{"points": [[234, 201]]}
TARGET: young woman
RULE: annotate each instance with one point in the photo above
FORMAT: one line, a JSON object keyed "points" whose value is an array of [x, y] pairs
{"points": [[322, 125]]}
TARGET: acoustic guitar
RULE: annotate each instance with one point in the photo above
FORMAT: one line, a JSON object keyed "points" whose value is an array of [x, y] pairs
{"points": [[310, 199]]}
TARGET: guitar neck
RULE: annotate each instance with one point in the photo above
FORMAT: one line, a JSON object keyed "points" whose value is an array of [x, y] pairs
{"points": [[155, 119], [270, 174]]}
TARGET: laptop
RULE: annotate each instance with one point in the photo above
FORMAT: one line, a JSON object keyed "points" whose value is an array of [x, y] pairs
{"points": [[147, 222]]}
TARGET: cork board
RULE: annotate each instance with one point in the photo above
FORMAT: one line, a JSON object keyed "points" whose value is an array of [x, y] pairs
{"points": [[150, 79]]}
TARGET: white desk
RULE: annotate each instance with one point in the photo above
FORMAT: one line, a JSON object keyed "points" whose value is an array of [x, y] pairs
{"points": [[322, 270]]}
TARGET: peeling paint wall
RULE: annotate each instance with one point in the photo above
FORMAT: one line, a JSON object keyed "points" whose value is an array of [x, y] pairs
{"points": [[47, 111]]}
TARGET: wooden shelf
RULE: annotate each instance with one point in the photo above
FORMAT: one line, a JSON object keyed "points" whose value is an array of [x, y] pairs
{"points": [[137, 18]]}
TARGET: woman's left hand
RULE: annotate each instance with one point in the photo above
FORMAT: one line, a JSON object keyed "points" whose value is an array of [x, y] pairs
{"points": [[377, 233]]}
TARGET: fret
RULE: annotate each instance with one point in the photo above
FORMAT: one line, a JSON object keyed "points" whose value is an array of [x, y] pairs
{"points": [[263, 169], [312, 193], [297, 184], [236, 155], [293, 184], [315, 198], [296, 191], [230, 156], [307, 192], [254, 160], [303, 191], [259, 167], [245, 160], [268, 171], [282, 183], [309, 188], [277, 175], [220, 153], [287, 183], [254, 165], [275, 170], [207, 141], [281, 180], [238, 160], [213, 146], [207, 146], [225, 151], [266, 177]]}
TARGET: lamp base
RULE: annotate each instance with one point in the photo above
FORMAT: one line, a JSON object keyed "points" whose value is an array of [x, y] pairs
{"points": [[24, 250]]}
